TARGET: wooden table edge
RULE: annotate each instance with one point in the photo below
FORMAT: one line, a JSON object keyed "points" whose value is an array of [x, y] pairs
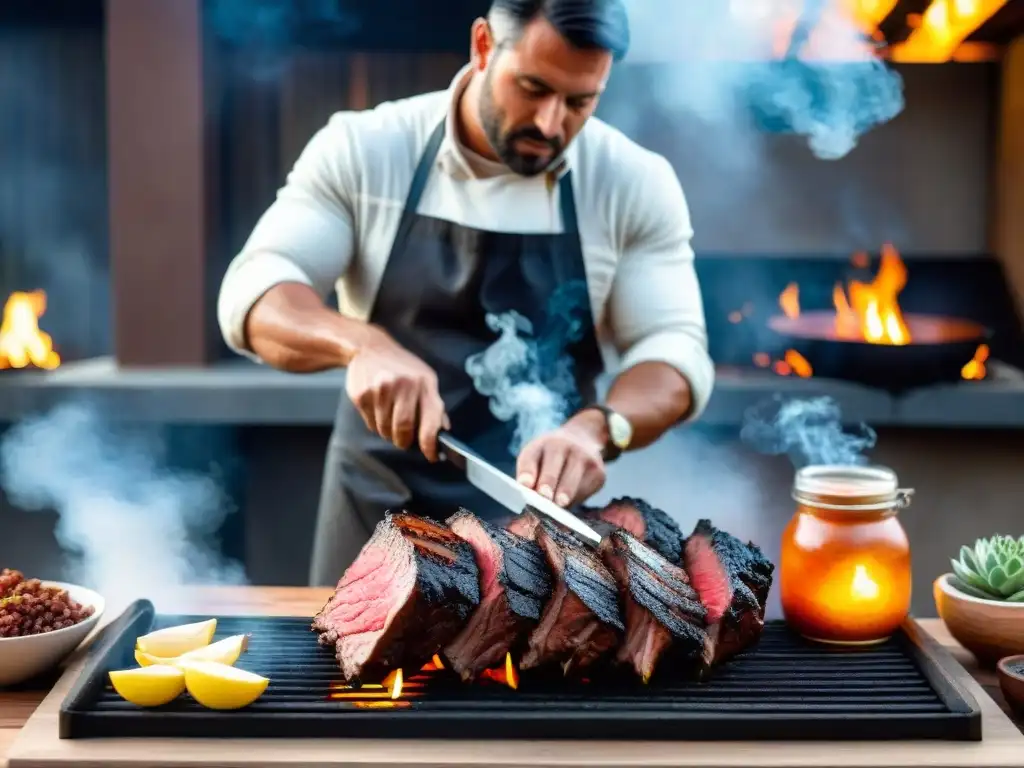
{"points": [[36, 744]]}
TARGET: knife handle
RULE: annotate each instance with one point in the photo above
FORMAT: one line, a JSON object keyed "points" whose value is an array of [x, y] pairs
{"points": [[448, 449]]}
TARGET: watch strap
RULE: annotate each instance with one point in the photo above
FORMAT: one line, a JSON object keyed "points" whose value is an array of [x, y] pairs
{"points": [[610, 451]]}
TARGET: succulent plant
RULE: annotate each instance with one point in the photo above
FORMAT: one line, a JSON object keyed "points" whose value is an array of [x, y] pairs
{"points": [[992, 570]]}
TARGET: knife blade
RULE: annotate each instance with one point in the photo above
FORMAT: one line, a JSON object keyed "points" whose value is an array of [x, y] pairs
{"points": [[507, 491]]}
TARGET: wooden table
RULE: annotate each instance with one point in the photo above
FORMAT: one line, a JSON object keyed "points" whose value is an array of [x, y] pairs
{"points": [[17, 707]]}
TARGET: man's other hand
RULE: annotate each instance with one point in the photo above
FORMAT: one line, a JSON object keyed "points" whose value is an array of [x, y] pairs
{"points": [[565, 465], [396, 393]]}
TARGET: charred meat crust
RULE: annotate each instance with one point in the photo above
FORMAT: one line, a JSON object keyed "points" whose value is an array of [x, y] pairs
{"points": [[515, 585], [408, 593], [582, 622], [664, 615], [733, 580], [474, 592], [651, 525], [750, 572]]}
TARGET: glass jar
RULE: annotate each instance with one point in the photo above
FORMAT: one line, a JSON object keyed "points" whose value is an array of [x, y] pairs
{"points": [[844, 569]]}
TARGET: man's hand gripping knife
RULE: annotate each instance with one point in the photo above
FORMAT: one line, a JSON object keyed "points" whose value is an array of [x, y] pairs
{"points": [[567, 464]]}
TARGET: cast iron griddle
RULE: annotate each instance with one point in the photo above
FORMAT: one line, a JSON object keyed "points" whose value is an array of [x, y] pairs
{"points": [[786, 689]]}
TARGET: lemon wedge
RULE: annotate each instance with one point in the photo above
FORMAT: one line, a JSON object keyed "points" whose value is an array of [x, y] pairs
{"points": [[224, 651], [217, 686], [151, 686], [174, 641]]}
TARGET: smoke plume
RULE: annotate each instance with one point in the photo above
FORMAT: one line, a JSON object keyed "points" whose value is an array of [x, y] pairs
{"points": [[132, 528], [265, 31], [808, 431], [526, 372], [274, 23], [722, 80], [749, 67]]}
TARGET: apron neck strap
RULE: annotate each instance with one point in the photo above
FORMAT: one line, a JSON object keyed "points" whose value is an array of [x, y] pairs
{"points": [[419, 180], [567, 202]]}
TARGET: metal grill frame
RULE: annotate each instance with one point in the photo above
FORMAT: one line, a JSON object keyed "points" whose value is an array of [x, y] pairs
{"points": [[483, 717]]}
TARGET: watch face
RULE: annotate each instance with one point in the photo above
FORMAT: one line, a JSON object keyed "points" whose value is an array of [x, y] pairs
{"points": [[620, 430]]}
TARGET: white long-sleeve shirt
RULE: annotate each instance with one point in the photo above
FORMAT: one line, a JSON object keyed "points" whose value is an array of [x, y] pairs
{"points": [[333, 223]]}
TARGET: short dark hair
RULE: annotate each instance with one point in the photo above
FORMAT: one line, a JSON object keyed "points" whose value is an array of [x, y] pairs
{"points": [[587, 24]]}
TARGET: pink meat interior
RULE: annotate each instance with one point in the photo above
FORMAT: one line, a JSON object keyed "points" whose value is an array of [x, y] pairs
{"points": [[625, 516], [486, 553], [708, 577], [372, 591]]}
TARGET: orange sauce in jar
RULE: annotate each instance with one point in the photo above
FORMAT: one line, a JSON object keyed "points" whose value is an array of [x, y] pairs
{"points": [[844, 569]]}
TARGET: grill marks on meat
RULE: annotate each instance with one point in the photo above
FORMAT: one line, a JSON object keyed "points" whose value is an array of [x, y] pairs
{"points": [[515, 584], [664, 615], [647, 523], [474, 592], [407, 595], [733, 580], [582, 621]]}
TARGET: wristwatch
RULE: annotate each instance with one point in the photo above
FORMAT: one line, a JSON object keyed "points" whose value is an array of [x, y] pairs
{"points": [[620, 431]]}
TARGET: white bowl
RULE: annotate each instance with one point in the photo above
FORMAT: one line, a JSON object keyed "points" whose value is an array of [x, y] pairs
{"points": [[22, 658]]}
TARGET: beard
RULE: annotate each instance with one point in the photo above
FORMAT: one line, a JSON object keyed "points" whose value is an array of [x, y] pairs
{"points": [[503, 142]]}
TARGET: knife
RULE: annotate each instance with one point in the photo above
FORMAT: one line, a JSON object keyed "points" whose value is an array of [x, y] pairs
{"points": [[506, 491]]}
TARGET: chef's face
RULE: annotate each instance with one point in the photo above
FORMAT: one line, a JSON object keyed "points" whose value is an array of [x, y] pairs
{"points": [[537, 94]]}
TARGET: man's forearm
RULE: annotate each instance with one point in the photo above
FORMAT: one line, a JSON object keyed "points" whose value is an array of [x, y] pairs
{"points": [[653, 396], [291, 329]]}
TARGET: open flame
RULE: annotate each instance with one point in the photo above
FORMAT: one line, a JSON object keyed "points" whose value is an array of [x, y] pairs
{"points": [[396, 685], [792, 362], [789, 301], [943, 29], [396, 689], [22, 343], [975, 369], [868, 312], [506, 675], [871, 311]]}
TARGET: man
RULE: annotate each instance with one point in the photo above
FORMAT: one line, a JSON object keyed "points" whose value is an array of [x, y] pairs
{"points": [[430, 213]]}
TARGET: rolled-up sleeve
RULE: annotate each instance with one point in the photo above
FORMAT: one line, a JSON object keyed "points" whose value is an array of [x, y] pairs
{"points": [[305, 236], [656, 311]]}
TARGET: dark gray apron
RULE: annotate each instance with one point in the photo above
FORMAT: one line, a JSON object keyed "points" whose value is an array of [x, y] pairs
{"points": [[440, 282]]}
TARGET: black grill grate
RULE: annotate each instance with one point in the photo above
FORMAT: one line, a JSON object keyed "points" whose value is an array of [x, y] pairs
{"points": [[786, 689]]}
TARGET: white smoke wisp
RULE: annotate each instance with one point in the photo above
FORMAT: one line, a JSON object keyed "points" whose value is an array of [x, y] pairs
{"points": [[506, 372], [747, 67], [691, 476], [131, 528], [808, 431]]}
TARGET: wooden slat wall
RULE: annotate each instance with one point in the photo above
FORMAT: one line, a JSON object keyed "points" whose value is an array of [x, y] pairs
{"points": [[270, 108], [1008, 210], [53, 195], [267, 120]]}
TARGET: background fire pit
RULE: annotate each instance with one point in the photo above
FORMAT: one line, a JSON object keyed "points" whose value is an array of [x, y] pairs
{"points": [[895, 327], [942, 350], [23, 345], [867, 338]]}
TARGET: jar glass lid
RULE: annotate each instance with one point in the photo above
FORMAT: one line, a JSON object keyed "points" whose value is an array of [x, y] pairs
{"points": [[841, 486]]}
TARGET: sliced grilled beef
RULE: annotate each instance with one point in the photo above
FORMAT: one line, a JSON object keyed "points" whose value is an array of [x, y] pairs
{"points": [[647, 523], [582, 620], [407, 595], [524, 525], [664, 615], [733, 580], [514, 583]]}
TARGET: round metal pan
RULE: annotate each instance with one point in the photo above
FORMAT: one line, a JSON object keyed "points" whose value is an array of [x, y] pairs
{"points": [[939, 349]]}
